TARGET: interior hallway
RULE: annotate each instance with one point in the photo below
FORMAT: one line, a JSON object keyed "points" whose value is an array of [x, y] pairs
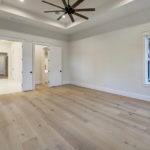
{"points": [[73, 118]]}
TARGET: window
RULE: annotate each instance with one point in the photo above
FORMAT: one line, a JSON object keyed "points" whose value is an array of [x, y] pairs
{"points": [[147, 56]]}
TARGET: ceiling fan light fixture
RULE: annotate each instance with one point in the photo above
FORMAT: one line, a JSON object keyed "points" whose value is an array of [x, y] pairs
{"points": [[64, 17]]}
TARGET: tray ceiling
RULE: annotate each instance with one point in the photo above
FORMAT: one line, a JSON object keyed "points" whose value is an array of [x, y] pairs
{"points": [[31, 12]]}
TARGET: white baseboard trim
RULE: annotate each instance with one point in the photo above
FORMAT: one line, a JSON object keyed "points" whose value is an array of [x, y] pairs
{"points": [[65, 82], [117, 92], [10, 92], [40, 82]]}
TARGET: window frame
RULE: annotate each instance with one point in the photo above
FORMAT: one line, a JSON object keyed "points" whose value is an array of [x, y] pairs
{"points": [[147, 40]]}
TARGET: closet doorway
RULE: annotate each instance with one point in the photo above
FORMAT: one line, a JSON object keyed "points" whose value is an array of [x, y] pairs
{"points": [[41, 65], [47, 66]]}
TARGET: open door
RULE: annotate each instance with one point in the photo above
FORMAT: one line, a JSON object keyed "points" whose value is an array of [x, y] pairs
{"points": [[55, 66], [27, 68]]}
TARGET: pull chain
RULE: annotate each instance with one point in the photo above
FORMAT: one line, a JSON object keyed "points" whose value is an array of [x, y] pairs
{"points": [[68, 2]]}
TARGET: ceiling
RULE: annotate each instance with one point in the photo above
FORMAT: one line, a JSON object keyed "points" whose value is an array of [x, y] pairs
{"points": [[31, 12]]}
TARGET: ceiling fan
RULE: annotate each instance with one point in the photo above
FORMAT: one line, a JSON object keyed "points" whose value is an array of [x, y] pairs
{"points": [[70, 10]]}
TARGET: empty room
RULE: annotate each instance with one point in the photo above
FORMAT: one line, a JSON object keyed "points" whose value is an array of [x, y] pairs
{"points": [[74, 75]]}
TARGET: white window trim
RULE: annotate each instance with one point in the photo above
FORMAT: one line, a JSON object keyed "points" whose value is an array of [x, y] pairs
{"points": [[146, 60]]}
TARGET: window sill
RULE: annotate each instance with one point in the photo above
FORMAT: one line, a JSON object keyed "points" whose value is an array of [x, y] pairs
{"points": [[147, 84]]}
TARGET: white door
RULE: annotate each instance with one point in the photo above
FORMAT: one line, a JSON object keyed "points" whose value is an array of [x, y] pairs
{"points": [[55, 66], [27, 66]]}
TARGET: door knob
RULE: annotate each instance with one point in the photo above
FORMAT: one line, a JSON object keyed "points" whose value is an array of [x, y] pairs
{"points": [[30, 71], [60, 70]]}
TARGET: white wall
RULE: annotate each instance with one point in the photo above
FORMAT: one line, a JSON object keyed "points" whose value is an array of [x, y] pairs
{"points": [[15, 67], [112, 62], [4, 47]]}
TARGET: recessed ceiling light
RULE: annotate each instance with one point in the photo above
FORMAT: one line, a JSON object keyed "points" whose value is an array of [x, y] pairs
{"points": [[125, 2], [64, 16], [22, 1]]}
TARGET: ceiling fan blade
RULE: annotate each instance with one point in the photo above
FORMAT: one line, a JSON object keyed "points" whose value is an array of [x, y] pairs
{"points": [[77, 3], [54, 11], [61, 16], [52, 4], [64, 2], [82, 16], [85, 9], [71, 17]]}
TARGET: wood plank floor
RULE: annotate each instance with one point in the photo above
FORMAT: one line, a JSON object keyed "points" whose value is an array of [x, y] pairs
{"points": [[73, 118]]}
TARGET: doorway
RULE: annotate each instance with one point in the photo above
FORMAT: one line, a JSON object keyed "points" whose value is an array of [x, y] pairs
{"points": [[3, 65], [41, 65], [47, 66], [10, 66]]}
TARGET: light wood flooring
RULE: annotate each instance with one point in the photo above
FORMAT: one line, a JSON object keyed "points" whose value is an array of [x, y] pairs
{"points": [[73, 118]]}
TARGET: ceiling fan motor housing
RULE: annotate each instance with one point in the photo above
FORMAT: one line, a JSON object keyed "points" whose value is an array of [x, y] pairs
{"points": [[69, 10]]}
